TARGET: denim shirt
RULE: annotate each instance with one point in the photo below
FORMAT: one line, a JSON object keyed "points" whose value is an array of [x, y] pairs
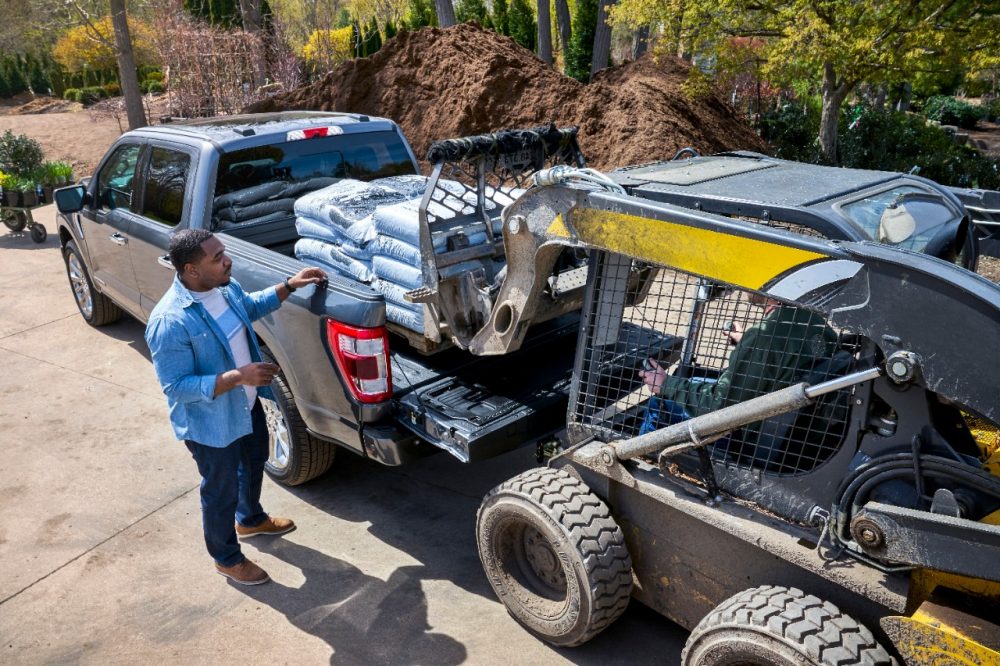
{"points": [[190, 350]]}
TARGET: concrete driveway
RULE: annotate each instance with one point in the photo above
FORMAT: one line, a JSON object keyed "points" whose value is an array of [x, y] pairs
{"points": [[100, 538]]}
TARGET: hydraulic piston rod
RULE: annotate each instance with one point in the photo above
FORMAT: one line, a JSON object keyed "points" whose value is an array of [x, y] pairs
{"points": [[705, 429]]}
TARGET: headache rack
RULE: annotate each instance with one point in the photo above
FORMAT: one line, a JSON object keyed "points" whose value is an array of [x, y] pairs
{"points": [[474, 178]]}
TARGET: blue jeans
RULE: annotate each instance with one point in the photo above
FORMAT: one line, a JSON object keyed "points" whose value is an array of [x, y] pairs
{"points": [[661, 412], [231, 480]]}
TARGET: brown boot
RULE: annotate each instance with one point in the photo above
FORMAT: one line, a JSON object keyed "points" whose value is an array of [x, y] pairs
{"points": [[269, 526], [244, 573]]}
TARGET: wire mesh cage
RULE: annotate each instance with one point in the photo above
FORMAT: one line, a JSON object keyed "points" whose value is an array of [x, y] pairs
{"points": [[660, 346]]}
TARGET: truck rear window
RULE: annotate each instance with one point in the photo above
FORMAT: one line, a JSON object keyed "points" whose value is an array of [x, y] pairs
{"points": [[363, 156]]}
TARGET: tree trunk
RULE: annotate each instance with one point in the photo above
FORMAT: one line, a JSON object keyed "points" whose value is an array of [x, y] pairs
{"points": [[445, 12], [250, 13], [544, 31], [564, 21], [905, 93], [641, 42], [602, 38], [834, 94], [126, 66]]}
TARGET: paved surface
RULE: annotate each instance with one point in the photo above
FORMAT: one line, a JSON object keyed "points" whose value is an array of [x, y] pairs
{"points": [[100, 539]]}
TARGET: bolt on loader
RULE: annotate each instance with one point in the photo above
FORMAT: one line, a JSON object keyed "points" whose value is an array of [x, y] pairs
{"points": [[787, 445]]}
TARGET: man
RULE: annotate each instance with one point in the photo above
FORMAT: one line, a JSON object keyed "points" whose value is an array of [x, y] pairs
{"points": [[209, 366], [768, 356]]}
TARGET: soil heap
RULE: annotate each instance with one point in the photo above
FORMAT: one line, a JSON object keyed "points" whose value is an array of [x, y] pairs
{"points": [[451, 82]]}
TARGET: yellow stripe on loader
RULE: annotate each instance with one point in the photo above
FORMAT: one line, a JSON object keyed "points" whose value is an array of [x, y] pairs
{"points": [[736, 260]]}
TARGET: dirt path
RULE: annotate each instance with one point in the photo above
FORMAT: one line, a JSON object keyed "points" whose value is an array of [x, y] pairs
{"points": [[74, 137]]}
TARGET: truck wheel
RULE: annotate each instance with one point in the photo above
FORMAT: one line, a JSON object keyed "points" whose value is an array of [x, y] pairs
{"points": [[96, 308], [295, 455], [781, 626], [554, 555]]}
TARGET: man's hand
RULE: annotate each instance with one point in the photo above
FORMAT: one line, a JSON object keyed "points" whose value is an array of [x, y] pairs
{"points": [[653, 378], [736, 331], [252, 374], [306, 277], [257, 374]]}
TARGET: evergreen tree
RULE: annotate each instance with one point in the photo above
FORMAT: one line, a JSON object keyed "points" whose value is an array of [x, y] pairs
{"points": [[522, 24], [470, 10], [500, 18], [221, 13], [581, 47], [419, 13], [372, 39], [390, 30]]}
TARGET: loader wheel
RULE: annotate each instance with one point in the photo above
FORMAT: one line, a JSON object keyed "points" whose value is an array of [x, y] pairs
{"points": [[554, 555], [294, 455], [781, 626]]}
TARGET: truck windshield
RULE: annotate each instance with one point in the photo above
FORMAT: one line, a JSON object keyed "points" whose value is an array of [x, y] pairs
{"points": [[363, 156]]}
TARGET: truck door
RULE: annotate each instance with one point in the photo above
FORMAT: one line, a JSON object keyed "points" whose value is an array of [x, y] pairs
{"points": [[164, 208], [107, 224]]}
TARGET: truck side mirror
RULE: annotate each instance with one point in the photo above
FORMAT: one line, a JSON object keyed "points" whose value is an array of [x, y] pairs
{"points": [[71, 199]]}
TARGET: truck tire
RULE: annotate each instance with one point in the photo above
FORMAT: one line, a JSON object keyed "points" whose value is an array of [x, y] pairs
{"points": [[96, 308], [781, 626], [295, 456], [554, 555]]}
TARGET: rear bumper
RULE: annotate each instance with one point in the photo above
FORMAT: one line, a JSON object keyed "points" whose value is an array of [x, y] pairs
{"points": [[393, 446]]}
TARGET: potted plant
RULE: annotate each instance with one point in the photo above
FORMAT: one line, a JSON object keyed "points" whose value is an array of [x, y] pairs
{"points": [[5, 188], [27, 189]]}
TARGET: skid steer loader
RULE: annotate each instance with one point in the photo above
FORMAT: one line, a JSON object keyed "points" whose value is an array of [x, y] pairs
{"points": [[785, 444]]}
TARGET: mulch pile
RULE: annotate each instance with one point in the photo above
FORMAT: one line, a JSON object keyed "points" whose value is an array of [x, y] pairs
{"points": [[452, 82]]}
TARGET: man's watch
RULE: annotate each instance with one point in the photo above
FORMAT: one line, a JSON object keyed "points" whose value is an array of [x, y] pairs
{"points": [[289, 287]]}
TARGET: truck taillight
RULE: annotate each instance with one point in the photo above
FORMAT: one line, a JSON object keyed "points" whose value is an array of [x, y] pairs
{"points": [[362, 355]]}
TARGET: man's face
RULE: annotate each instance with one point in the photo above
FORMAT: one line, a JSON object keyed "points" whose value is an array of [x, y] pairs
{"points": [[215, 268]]}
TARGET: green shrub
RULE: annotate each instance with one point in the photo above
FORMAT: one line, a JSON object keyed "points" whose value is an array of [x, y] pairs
{"points": [[793, 131], [112, 89], [90, 95], [20, 155], [154, 87], [950, 111], [154, 76], [70, 94], [991, 110], [893, 141]]}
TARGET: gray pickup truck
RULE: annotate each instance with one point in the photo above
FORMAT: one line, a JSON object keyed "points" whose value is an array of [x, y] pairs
{"points": [[114, 229]]}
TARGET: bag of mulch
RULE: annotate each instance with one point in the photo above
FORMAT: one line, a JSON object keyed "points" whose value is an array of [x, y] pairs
{"points": [[243, 213], [250, 195], [405, 275], [310, 228], [309, 250], [219, 223], [404, 317]]}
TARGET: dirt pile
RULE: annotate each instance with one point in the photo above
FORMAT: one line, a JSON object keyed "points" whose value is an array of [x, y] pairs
{"points": [[41, 104], [444, 83]]}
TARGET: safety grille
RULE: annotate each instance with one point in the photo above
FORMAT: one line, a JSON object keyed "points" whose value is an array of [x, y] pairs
{"points": [[635, 312]]}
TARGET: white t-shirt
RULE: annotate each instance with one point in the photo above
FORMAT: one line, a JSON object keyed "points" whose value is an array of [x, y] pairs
{"points": [[232, 328]]}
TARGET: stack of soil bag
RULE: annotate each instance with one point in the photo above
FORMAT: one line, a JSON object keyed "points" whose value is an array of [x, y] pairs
{"points": [[371, 233], [266, 202]]}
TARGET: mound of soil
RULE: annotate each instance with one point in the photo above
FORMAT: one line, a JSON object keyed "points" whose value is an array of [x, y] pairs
{"points": [[42, 104], [445, 83]]}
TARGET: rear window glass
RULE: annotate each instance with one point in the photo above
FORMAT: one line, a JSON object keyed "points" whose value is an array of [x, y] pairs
{"points": [[867, 212], [360, 156]]}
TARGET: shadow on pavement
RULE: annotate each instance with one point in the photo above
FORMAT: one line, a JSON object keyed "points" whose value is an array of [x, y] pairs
{"points": [[427, 509], [364, 619]]}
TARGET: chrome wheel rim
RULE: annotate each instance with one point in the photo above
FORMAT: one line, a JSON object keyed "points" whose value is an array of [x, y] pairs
{"points": [[81, 288], [277, 431]]}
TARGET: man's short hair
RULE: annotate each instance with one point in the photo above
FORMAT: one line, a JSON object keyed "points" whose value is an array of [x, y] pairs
{"points": [[185, 247]]}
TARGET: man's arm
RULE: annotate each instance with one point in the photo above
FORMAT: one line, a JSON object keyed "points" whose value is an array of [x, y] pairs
{"points": [[173, 360], [266, 301]]}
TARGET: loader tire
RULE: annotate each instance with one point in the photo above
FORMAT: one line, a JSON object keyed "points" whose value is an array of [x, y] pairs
{"points": [[554, 555], [294, 455], [781, 626]]}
